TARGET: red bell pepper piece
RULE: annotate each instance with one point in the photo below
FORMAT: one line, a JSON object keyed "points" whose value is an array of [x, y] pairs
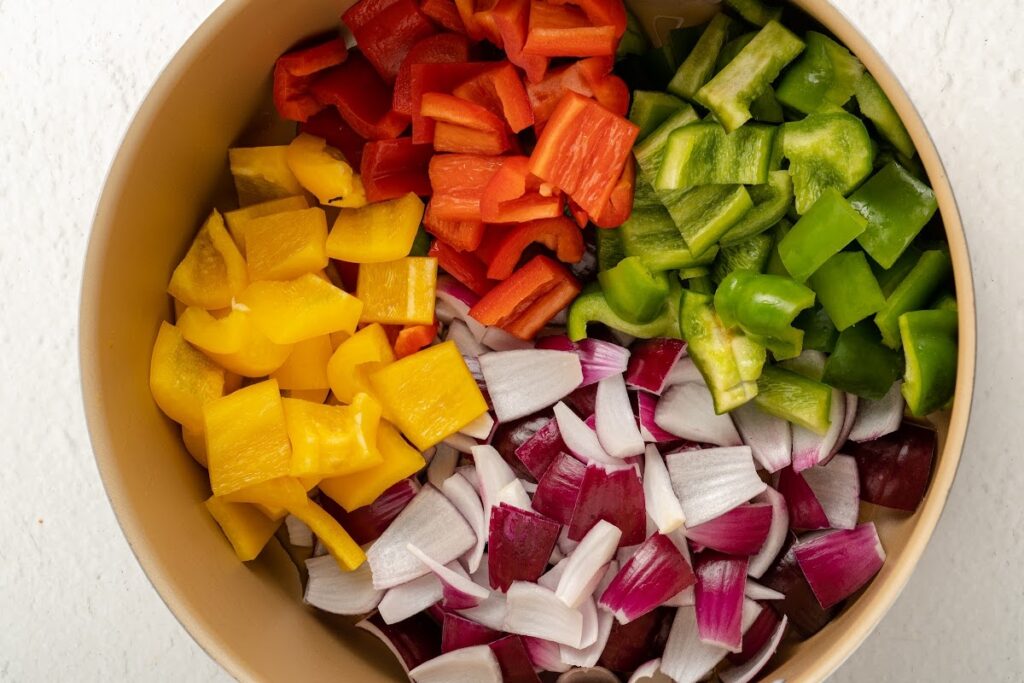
{"points": [[329, 125], [479, 23], [461, 235], [444, 13], [512, 21], [459, 181], [442, 78], [413, 338], [528, 299], [451, 137], [460, 112], [362, 98], [565, 31], [601, 12], [514, 195], [387, 36], [293, 74], [583, 151], [590, 77], [501, 91], [620, 203], [578, 214], [560, 235], [494, 235], [393, 168], [443, 48], [464, 266]]}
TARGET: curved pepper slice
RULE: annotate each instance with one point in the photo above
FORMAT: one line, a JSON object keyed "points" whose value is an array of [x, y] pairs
{"points": [[294, 310], [324, 172], [386, 31], [514, 195], [620, 204], [501, 91], [248, 529], [293, 75], [764, 307], [703, 153], [349, 368], [215, 334], [444, 13], [182, 379], [560, 235], [876, 106], [361, 97], [334, 537], [330, 441], [529, 298], [795, 398], [413, 338], [442, 48], [594, 307], [824, 77], [930, 346], [306, 366], [590, 77], [392, 168], [511, 20], [561, 30], [376, 233], [441, 78], [262, 174], [213, 271], [771, 202], [633, 291], [400, 460], [257, 356], [465, 267]]}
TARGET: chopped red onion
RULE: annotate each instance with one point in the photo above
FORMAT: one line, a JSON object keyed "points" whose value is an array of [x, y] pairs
{"points": [[465, 499], [459, 591], [475, 664], [616, 496], [688, 411], [599, 358], [837, 490], [877, 418], [299, 535], [340, 592], [684, 372], [509, 437], [651, 432], [748, 671], [540, 450], [660, 500], [499, 340], [800, 605], [896, 468], [683, 598], [551, 577], [445, 312], [532, 610], [756, 591], [810, 448], [458, 632], [653, 575], [461, 443], [519, 545], [581, 439], [468, 473], [741, 531], [650, 362], [588, 675], [480, 428], [849, 418], [837, 564], [589, 655], [490, 612], [442, 465], [545, 654], [494, 474], [586, 565], [458, 299], [721, 580], [583, 401], [712, 481], [468, 343], [617, 430], [805, 510], [514, 494], [401, 602], [649, 672], [412, 641], [523, 382], [770, 438], [366, 524], [559, 488], [630, 645], [754, 638], [565, 544], [777, 533], [687, 658], [514, 660]]}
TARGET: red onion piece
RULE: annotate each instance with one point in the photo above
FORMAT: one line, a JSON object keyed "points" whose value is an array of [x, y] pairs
{"points": [[458, 632], [401, 602], [494, 475], [559, 488], [800, 605], [687, 659], [475, 664], [590, 654], [630, 645], [490, 612], [466, 500], [615, 496], [299, 534], [458, 299], [810, 448], [712, 481], [755, 638], [366, 524], [721, 580], [770, 438], [583, 401], [747, 672], [741, 531], [650, 362], [522, 382], [551, 577], [688, 411], [541, 448], [532, 610], [340, 592], [684, 372], [442, 465], [545, 654], [459, 591], [599, 358], [777, 533], [413, 641], [659, 499], [515, 495], [849, 418], [655, 573], [480, 428], [580, 439], [805, 510], [649, 672], [514, 660], [896, 468], [837, 490], [875, 419], [617, 430], [756, 591], [837, 564], [460, 333], [651, 432], [586, 565], [500, 340], [519, 546]]}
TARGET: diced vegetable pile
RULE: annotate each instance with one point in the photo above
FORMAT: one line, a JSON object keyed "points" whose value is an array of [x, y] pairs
{"points": [[541, 387]]}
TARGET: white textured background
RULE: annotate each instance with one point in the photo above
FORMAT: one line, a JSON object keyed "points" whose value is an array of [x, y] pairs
{"points": [[74, 604]]}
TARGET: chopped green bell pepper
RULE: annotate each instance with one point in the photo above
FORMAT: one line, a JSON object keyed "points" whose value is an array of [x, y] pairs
{"points": [[609, 248], [820, 333], [826, 151], [847, 288], [651, 151], [750, 254], [897, 206], [861, 364], [634, 40], [730, 92], [945, 302], [767, 108], [820, 234], [764, 307], [704, 154], [795, 398], [651, 108], [591, 306], [809, 364], [703, 214], [635, 293], [698, 66], [822, 79], [876, 106], [890, 278], [779, 232], [771, 201], [930, 347], [692, 273], [651, 233], [931, 271], [755, 11]]}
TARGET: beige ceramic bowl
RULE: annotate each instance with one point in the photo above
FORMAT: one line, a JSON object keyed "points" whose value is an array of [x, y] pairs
{"points": [[169, 170]]}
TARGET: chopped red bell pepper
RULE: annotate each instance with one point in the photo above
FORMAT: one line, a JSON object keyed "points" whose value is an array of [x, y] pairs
{"points": [[329, 125], [293, 74], [601, 12], [362, 98], [459, 181], [583, 151], [561, 235], [620, 203], [528, 299], [565, 31], [515, 195], [442, 48], [461, 235], [494, 235], [451, 137], [444, 13], [464, 266], [387, 36], [501, 91], [413, 338], [479, 23], [512, 21], [578, 214], [460, 112], [393, 168], [442, 78], [590, 77]]}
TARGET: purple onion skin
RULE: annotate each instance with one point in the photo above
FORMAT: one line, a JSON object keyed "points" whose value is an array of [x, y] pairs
{"points": [[800, 604], [805, 512], [514, 660], [757, 635], [417, 638], [366, 524], [583, 401], [639, 641], [520, 544], [562, 479], [542, 449], [616, 497], [511, 435], [458, 632], [895, 469]]}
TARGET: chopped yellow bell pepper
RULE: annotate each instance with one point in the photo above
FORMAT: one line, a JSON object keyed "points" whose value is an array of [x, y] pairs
{"points": [[274, 512], [246, 438], [239, 218], [213, 271], [341, 546], [258, 356], [246, 527], [328, 441], [376, 233], [310, 483], [306, 367], [398, 292], [262, 174], [283, 492], [232, 381], [349, 368], [324, 172], [220, 333], [286, 245], [430, 394], [400, 460], [294, 310], [311, 395], [182, 379], [195, 444]]}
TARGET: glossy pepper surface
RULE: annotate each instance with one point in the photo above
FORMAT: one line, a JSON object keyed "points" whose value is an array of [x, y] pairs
{"points": [[293, 74], [704, 154], [376, 233], [399, 461], [329, 441], [237, 220], [514, 195], [182, 379], [262, 174], [633, 291], [770, 201], [876, 106], [560, 235], [821, 233], [897, 206], [350, 366], [286, 245], [306, 366], [213, 271], [528, 299], [387, 31], [362, 98], [847, 288], [823, 78], [248, 529], [294, 310], [930, 347], [593, 307], [699, 65], [826, 151], [913, 292], [465, 267], [650, 108], [257, 356], [764, 307], [440, 48], [400, 292], [861, 364], [501, 91], [339, 544], [222, 333], [794, 397], [324, 172]]}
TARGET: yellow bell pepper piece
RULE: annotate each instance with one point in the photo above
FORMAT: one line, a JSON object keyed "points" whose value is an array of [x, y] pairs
{"points": [[341, 546], [182, 379], [324, 172], [282, 492], [222, 334], [213, 271], [273, 512], [246, 438], [239, 218], [310, 395], [376, 233], [246, 527], [295, 310], [430, 394], [258, 356], [329, 441], [262, 174], [286, 245], [349, 368], [400, 461], [195, 444], [398, 292], [306, 367], [310, 483]]}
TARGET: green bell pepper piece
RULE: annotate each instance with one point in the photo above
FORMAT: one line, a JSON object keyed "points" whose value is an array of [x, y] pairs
{"points": [[651, 108], [765, 107], [930, 347], [701, 284], [593, 307], [692, 273], [793, 397], [651, 151], [820, 333], [779, 232], [750, 254], [890, 278], [704, 154], [698, 66], [820, 234], [733, 48], [729, 361], [703, 214], [861, 364], [421, 243], [633, 41], [755, 11], [876, 106], [822, 79], [897, 206], [730, 92], [771, 201], [764, 307], [609, 248], [635, 293], [945, 302], [847, 288], [826, 151], [651, 234], [809, 364], [931, 271]]}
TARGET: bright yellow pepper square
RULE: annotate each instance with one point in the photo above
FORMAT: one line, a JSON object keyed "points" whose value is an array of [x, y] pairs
{"points": [[262, 174], [182, 379], [286, 245], [213, 271], [328, 440], [376, 233], [400, 460], [257, 356], [237, 220], [306, 367], [246, 527], [398, 292], [295, 310]]}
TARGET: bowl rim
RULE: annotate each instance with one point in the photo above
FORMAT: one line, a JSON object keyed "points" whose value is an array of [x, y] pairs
{"points": [[880, 601]]}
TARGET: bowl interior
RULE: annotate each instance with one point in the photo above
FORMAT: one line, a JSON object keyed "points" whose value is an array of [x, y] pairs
{"points": [[171, 168]]}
